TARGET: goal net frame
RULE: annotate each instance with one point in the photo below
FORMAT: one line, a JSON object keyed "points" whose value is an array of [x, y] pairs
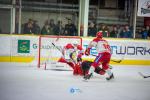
{"points": [[55, 39]]}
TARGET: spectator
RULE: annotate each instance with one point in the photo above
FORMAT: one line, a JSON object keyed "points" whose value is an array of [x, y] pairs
{"points": [[46, 29], [114, 32], [70, 29], [92, 30], [126, 32], [28, 27], [144, 33], [148, 31], [105, 30], [36, 27], [119, 28], [52, 27], [58, 30]]}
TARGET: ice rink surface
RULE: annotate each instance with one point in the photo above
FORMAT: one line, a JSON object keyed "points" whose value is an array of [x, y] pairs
{"points": [[21, 82]]}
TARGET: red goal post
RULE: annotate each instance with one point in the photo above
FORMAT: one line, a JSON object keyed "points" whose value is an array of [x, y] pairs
{"points": [[48, 52]]}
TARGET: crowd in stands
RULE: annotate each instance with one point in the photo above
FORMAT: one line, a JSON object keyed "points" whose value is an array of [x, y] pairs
{"points": [[69, 29], [50, 28], [114, 31], [118, 31], [145, 32], [31, 27]]}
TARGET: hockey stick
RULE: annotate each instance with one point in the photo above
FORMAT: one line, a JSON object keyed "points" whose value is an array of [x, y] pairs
{"points": [[144, 76], [57, 47], [117, 61]]}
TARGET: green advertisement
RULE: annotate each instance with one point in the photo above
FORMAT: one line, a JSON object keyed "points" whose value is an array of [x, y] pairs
{"points": [[23, 46]]}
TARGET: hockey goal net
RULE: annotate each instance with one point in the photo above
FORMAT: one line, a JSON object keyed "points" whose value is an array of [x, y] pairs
{"points": [[50, 49]]}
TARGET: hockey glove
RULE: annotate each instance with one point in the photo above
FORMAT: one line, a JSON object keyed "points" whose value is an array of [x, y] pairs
{"points": [[79, 59]]}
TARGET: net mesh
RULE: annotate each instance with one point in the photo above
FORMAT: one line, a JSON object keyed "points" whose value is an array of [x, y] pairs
{"points": [[50, 49]]}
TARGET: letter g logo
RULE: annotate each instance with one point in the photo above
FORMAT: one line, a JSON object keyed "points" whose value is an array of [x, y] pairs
{"points": [[35, 46]]}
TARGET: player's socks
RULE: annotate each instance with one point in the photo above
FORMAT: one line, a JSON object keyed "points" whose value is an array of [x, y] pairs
{"points": [[110, 74], [110, 67]]}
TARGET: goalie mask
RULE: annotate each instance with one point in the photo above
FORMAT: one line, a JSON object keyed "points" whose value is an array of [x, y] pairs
{"points": [[75, 43]]}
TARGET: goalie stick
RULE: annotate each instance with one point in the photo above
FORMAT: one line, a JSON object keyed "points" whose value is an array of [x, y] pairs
{"points": [[57, 47], [144, 76]]}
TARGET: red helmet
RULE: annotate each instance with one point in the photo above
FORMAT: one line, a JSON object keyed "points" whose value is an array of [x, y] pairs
{"points": [[99, 34]]}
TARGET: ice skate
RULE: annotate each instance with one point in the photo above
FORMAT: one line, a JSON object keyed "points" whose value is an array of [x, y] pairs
{"points": [[110, 77], [88, 76]]}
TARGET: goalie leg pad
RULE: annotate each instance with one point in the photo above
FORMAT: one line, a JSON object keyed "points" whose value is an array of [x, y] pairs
{"points": [[97, 70], [71, 65], [100, 71], [77, 70], [62, 60]]}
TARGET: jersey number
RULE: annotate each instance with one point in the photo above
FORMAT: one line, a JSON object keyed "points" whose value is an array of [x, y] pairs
{"points": [[106, 46]]}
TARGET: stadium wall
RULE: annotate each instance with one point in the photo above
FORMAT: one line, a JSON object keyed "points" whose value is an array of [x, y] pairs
{"points": [[24, 49]]}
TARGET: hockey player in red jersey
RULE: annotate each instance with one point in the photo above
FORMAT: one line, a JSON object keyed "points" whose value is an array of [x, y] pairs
{"points": [[72, 53], [103, 57]]}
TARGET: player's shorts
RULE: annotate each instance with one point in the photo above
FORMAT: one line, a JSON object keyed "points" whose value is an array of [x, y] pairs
{"points": [[102, 58]]}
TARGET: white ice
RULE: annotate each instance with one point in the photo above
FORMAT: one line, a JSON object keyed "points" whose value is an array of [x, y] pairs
{"points": [[21, 82]]}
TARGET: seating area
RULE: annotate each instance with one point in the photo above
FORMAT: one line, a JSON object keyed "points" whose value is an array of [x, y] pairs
{"points": [[65, 18]]}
